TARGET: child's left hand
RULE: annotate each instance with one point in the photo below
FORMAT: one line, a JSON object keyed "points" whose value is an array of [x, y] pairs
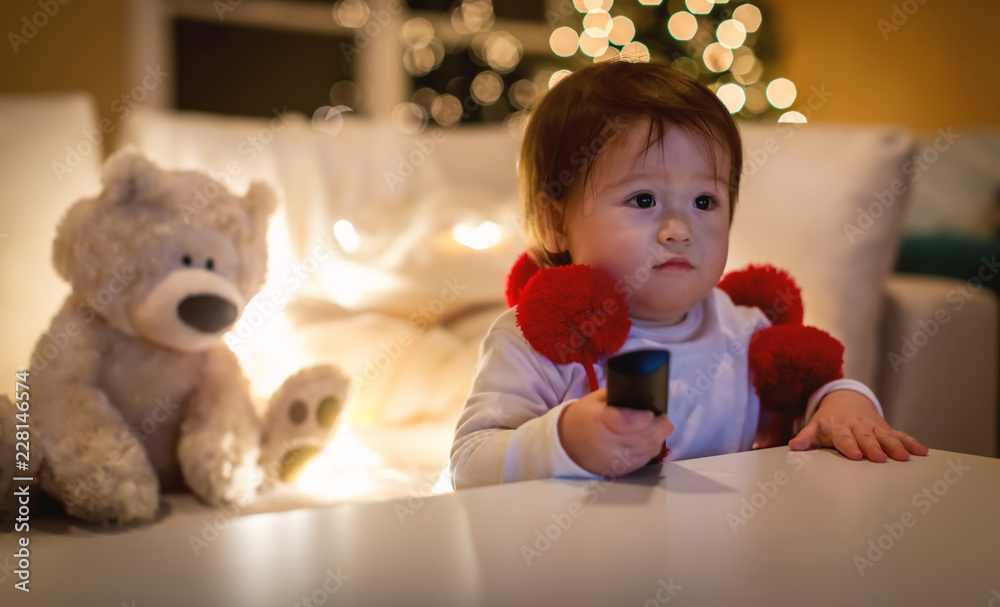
{"points": [[848, 421]]}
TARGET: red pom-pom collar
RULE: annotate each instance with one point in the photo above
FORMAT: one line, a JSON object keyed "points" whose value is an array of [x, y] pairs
{"points": [[573, 314]]}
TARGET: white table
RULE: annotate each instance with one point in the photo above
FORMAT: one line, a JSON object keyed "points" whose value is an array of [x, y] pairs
{"points": [[767, 528]]}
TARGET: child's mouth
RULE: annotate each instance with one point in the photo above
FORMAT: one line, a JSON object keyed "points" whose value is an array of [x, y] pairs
{"points": [[676, 263]]}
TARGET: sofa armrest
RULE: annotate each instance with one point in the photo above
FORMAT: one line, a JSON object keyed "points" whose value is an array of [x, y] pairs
{"points": [[938, 351]]}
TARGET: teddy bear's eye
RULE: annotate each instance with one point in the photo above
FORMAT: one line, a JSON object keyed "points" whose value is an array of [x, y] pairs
{"points": [[210, 264], [186, 260]]}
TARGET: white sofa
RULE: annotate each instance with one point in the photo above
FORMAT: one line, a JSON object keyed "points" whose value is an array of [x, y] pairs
{"points": [[807, 192]]}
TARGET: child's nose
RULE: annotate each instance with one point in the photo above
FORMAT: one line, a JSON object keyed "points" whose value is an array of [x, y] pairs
{"points": [[675, 229]]}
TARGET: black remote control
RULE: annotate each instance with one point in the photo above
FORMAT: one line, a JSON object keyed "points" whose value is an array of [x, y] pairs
{"points": [[640, 380]]}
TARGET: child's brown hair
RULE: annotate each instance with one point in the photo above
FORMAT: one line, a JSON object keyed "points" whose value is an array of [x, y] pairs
{"points": [[586, 110]]}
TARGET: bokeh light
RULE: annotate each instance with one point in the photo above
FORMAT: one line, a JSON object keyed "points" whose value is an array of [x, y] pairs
{"points": [[416, 32], [592, 46], [472, 16], [749, 15], [557, 76], [717, 57], [699, 7], [446, 110], [329, 119], [564, 41], [793, 117], [635, 52], [610, 54], [732, 96], [408, 118], [781, 93], [731, 33], [682, 25], [622, 30], [522, 94], [503, 51], [347, 93], [597, 23], [351, 13], [486, 87]]}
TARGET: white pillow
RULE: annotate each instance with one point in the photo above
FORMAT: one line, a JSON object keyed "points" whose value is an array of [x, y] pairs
{"points": [[826, 203], [52, 158]]}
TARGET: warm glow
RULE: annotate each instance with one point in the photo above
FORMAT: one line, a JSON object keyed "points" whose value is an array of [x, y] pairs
{"points": [[731, 33], [564, 41], [597, 24], [328, 119], [794, 117], [557, 76], [781, 93], [717, 57], [650, 2], [342, 470], [592, 46], [732, 96], [622, 30], [699, 7], [749, 16], [597, 5], [483, 236], [635, 52], [347, 237]]}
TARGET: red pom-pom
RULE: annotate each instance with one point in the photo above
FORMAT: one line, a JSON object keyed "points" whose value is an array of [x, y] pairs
{"points": [[790, 362], [520, 273], [768, 288], [573, 314]]}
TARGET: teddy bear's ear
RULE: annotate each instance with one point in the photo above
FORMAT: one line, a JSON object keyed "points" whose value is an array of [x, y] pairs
{"points": [[128, 175]]}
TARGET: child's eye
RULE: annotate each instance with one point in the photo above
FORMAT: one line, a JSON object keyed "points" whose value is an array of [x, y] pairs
{"points": [[704, 203], [644, 200]]}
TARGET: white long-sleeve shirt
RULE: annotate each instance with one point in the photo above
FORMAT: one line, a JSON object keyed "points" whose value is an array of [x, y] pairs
{"points": [[508, 429]]}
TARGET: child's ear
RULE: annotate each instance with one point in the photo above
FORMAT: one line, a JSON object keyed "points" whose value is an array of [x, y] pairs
{"points": [[553, 231]]}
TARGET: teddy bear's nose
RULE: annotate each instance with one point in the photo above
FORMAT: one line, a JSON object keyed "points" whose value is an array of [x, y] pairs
{"points": [[207, 313]]}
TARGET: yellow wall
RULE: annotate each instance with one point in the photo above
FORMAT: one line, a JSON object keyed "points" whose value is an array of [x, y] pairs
{"points": [[80, 48], [939, 69]]}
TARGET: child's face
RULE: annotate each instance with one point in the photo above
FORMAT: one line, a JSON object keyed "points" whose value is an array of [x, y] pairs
{"points": [[657, 223]]}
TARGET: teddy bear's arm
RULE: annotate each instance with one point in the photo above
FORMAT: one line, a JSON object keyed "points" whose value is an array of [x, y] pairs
{"points": [[220, 436], [93, 464]]}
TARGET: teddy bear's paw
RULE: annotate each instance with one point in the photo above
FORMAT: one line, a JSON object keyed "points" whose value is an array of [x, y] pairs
{"points": [[116, 500], [301, 421], [220, 472]]}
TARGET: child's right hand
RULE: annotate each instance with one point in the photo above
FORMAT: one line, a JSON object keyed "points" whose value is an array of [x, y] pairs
{"points": [[611, 440]]}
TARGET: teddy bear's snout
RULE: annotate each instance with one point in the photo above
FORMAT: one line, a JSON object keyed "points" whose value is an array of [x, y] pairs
{"points": [[207, 313]]}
